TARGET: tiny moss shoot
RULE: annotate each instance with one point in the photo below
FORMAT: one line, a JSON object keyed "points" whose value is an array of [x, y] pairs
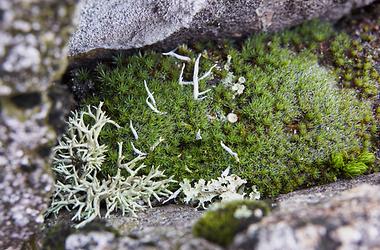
{"points": [[222, 223], [295, 123]]}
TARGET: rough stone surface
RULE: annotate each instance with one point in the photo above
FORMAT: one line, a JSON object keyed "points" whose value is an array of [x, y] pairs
{"points": [[33, 35], [350, 220], [91, 240], [319, 194], [127, 24], [164, 228], [164, 216]]}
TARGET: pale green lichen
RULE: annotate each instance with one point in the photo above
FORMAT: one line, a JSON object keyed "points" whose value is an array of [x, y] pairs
{"points": [[78, 162], [225, 188]]}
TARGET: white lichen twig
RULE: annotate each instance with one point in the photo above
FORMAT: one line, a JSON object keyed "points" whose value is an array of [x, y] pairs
{"points": [[175, 55], [229, 150], [158, 142], [134, 132], [225, 188], [129, 166], [196, 94], [208, 73], [198, 136], [138, 152], [151, 102]]}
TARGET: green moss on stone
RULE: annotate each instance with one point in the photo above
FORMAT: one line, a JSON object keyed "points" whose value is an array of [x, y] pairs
{"points": [[221, 224], [292, 116]]}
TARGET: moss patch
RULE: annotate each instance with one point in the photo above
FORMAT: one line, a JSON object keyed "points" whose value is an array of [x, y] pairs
{"points": [[293, 114], [220, 225]]}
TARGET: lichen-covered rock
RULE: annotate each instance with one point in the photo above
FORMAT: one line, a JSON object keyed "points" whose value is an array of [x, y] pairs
{"points": [[119, 24], [33, 35], [351, 220]]}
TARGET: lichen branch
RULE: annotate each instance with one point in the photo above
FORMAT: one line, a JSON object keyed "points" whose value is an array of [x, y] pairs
{"points": [[77, 161], [175, 55], [196, 94], [151, 102], [229, 150]]}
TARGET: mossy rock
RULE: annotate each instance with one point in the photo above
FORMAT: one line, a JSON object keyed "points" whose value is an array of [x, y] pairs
{"points": [[221, 224], [293, 116]]}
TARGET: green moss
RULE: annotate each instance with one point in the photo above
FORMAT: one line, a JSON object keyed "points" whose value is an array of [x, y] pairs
{"points": [[220, 225], [292, 117], [337, 160], [352, 165], [352, 64], [367, 158], [353, 169]]}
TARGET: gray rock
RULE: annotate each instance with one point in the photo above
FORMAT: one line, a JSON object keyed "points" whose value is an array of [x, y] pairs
{"points": [[157, 217], [319, 194], [33, 35], [128, 24], [164, 228], [91, 240], [350, 220]]}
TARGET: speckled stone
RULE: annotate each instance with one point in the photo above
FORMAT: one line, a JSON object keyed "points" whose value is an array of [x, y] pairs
{"points": [[33, 37], [91, 241], [323, 193], [127, 24], [166, 227], [348, 220]]}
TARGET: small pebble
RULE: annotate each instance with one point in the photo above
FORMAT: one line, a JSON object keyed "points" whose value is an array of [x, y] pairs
{"points": [[232, 118]]}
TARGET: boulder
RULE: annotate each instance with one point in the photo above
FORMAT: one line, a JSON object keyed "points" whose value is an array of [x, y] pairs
{"points": [[129, 24], [345, 220], [33, 37]]}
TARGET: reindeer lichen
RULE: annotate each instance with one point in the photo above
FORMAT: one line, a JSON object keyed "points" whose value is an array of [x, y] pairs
{"points": [[78, 161], [227, 187]]}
